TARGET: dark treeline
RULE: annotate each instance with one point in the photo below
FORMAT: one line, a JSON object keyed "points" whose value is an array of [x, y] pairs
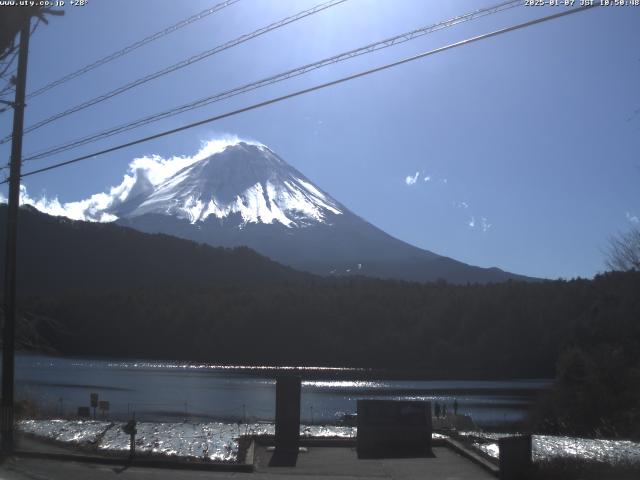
{"points": [[56, 255], [502, 330], [597, 388], [103, 290]]}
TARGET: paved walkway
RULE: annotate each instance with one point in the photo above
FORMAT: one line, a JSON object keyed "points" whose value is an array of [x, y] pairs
{"points": [[322, 463]]}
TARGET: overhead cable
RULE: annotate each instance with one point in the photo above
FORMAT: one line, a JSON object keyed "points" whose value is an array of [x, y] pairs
{"points": [[388, 42], [177, 66], [312, 89], [130, 48]]}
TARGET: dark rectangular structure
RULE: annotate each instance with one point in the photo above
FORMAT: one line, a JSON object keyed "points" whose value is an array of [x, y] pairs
{"points": [[288, 390], [515, 457], [84, 412], [394, 428]]}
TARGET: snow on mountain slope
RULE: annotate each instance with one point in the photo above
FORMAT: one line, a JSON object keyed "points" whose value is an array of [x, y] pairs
{"points": [[234, 193], [245, 179], [227, 178]]}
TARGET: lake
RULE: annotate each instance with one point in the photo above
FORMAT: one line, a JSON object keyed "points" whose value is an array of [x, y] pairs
{"points": [[174, 391]]}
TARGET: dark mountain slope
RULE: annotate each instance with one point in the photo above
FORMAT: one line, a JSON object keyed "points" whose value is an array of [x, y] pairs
{"points": [[247, 195], [57, 254]]}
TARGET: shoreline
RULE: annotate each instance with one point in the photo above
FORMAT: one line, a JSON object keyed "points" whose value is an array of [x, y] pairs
{"points": [[309, 373]]}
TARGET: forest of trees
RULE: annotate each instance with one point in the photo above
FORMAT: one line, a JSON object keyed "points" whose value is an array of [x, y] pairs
{"points": [[597, 387], [481, 331], [103, 290]]}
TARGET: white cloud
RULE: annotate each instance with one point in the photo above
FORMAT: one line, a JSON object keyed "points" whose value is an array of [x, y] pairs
{"points": [[483, 223], [427, 178], [460, 204], [158, 169], [143, 172], [411, 180], [91, 209], [632, 218]]}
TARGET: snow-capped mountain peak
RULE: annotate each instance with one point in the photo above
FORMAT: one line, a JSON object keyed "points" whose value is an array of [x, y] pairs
{"points": [[237, 193], [247, 181]]}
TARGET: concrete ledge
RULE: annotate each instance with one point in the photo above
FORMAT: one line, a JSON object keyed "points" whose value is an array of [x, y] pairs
{"points": [[250, 455], [149, 462], [248, 465], [342, 463], [458, 447], [328, 442], [269, 440]]}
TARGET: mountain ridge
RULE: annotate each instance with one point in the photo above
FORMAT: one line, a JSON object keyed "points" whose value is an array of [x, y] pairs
{"points": [[247, 195], [58, 255], [244, 178], [238, 193]]}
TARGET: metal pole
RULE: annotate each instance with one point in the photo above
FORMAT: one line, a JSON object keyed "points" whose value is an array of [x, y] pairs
{"points": [[8, 350]]}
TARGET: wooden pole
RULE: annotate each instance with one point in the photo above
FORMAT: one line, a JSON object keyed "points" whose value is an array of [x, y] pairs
{"points": [[8, 334]]}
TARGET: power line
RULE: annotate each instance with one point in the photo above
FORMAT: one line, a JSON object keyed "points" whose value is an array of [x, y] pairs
{"points": [[182, 64], [132, 47], [7, 89], [8, 62], [9, 56], [314, 88], [388, 42]]}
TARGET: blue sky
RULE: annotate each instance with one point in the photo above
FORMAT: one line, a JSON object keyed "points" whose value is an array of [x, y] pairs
{"points": [[530, 141]]}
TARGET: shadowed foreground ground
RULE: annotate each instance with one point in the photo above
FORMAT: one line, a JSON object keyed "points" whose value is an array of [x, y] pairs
{"points": [[318, 463]]}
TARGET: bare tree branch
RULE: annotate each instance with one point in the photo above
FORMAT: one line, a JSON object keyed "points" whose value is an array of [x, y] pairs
{"points": [[624, 251]]}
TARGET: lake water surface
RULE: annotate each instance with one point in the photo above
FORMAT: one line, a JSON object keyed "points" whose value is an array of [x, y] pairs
{"points": [[173, 391]]}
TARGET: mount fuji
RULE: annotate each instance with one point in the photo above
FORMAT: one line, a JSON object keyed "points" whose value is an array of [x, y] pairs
{"points": [[245, 194], [243, 184], [238, 193]]}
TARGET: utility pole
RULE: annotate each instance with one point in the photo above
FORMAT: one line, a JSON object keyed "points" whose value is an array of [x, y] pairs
{"points": [[8, 334]]}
